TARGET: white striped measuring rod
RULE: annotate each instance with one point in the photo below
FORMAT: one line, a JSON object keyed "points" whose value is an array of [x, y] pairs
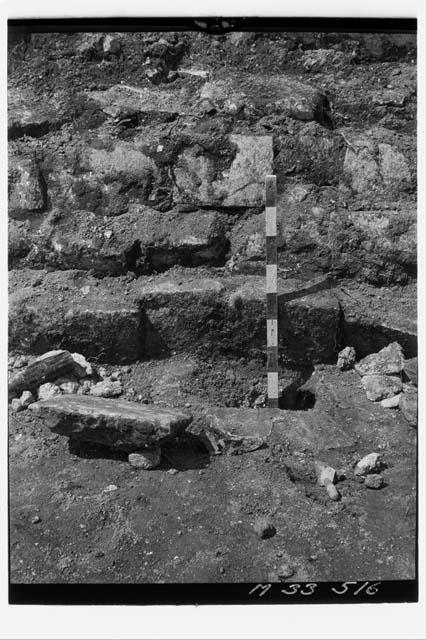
{"points": [[271, 291]]}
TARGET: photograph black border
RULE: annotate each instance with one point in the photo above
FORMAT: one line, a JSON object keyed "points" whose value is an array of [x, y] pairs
{"points": [[349, 592]]}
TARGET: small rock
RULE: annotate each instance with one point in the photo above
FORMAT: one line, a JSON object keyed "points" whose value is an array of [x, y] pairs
{"points": [[260, 401], [222, 570], [35, 520], [374, 481], [325, 473], [346, 359], [332, 492], [110, 487], [82, 368], [264, 528], [340, 475], [48, 390], [127, 369], [285, 571], [391, 403], [99, 554], [26, 399], [368, 464], [102, 372], [106, 389], [147, 459], [111, 45], [379, 387], [16, 405], [85, 290], [172, 471], [389, 361], [115, 375], [408, 406], [210, 441]]}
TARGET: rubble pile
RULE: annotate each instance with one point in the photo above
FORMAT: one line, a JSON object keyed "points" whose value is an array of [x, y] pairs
{"points": [[56, 373], [387, 377]]}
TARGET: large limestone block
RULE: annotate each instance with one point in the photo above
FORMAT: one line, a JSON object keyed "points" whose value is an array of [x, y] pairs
{"points": [[123, 100], [379, 161], [25, 187], [242, 185], [141, 240], [118, 424], [260, 95], [48, 367]]}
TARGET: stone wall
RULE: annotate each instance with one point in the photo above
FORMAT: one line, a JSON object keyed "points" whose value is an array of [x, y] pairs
{"points": [[140, 151]]}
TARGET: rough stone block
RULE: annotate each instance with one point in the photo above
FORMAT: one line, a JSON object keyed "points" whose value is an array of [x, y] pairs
{"points": [[242, 185], [369, 463], [388, 361], [73, 310], [118, 424], [48, 367]]}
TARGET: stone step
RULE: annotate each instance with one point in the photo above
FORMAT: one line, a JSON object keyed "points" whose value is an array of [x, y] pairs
{"points": [[119, 319], [118, 424], [141, 241], [228, 314], [71, 310]]}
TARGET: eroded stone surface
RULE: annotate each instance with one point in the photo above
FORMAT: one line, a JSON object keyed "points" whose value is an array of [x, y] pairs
{"points": [[240, 186], [388, 361], [26, 194], [114, 423], [280, 94], [42, 370], [373, 161]]}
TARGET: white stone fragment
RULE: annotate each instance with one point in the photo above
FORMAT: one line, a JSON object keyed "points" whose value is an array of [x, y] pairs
{"points": [[82, 367], [48, 390], [368, 464], [149, 459], [26, 399]]}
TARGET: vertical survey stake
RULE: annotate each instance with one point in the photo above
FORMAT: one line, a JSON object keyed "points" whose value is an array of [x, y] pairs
{"points": [[271, 290]]}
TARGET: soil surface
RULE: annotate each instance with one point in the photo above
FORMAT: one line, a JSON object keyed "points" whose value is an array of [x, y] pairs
{"points": [[192, 520]]}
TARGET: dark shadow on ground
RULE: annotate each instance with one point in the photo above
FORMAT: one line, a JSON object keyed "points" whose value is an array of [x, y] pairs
{"points": [[188, 453]]}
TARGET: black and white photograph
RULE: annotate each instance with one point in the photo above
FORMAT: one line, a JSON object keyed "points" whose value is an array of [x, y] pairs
{"points": [[212, 310]]}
